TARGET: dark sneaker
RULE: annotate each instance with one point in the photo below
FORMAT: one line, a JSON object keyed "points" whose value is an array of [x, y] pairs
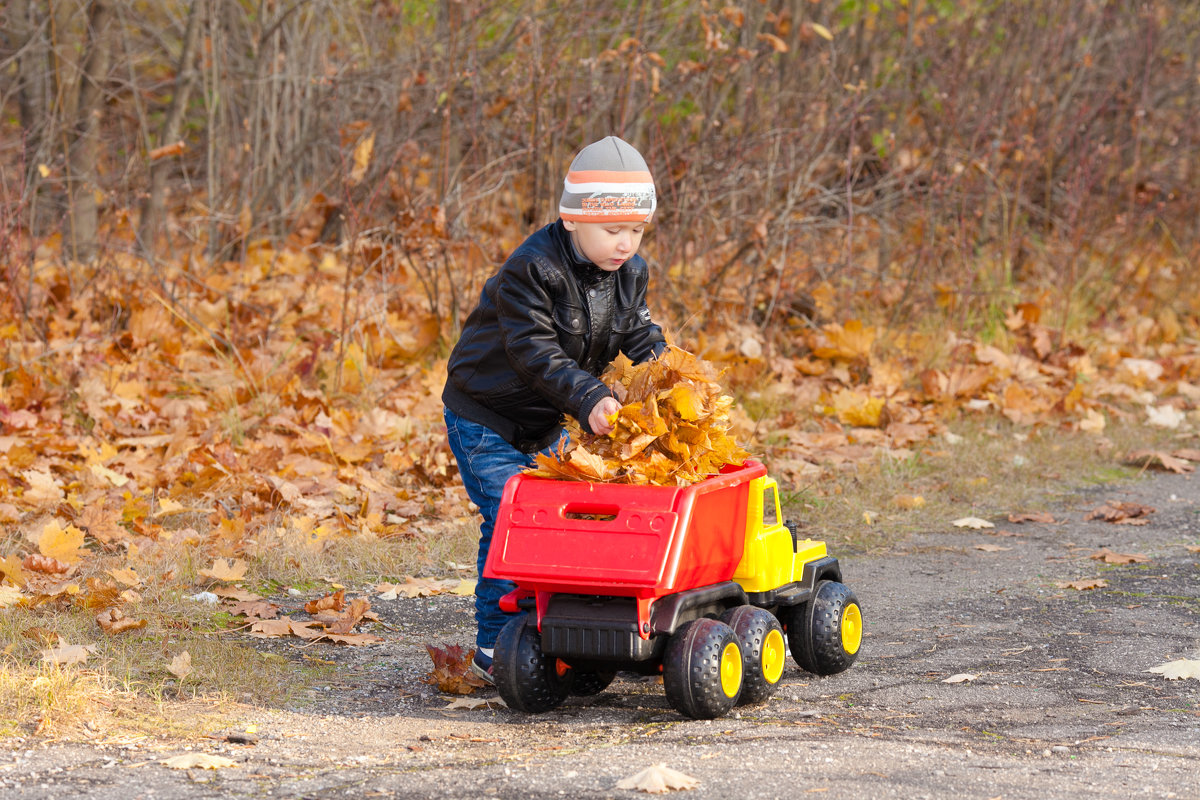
{"points": [[481, 667]]}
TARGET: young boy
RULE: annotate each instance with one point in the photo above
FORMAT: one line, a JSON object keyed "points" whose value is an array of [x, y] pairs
{"points": [[561, 307]]}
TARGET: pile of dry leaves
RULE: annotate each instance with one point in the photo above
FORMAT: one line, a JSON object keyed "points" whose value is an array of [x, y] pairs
{"points": [[672, 429]]}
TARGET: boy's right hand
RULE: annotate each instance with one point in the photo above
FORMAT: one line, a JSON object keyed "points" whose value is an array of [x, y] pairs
{"points": [[600, 413]]}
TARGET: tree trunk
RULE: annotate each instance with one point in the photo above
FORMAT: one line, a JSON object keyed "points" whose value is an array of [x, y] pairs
{"points": [[28, 38], [185, 77], [82, 219]]}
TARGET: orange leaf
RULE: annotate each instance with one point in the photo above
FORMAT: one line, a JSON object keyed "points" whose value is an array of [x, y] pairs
{"points": [[61, 544]]}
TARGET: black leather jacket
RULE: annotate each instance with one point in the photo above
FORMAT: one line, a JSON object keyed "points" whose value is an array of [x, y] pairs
{"points": [[546, 325]]}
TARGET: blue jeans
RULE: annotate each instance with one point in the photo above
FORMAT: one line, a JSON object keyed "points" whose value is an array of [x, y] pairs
{"points": [[485, 462]]}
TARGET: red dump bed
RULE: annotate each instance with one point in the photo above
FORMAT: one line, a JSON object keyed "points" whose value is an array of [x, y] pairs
{"points": [[616, 539]]}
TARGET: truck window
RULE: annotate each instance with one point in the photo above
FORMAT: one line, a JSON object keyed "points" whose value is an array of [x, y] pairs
{"points": [[770, 508]]}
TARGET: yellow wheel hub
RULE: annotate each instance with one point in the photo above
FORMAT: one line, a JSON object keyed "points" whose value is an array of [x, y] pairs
{"points": [[773, 657], [731, 669], [851, 628]]}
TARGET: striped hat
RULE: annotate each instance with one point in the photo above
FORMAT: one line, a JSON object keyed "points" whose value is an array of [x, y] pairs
{"points": [[608, 182]]}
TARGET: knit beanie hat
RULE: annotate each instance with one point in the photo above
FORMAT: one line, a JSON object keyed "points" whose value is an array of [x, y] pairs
{"points": [[608, 182]]}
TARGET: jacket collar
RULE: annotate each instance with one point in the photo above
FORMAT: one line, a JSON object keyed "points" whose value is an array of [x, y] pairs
{"points": [[583, 269]]}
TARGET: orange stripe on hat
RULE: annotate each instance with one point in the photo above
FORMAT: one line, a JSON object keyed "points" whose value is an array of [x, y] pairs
{"points": [[608, 176]]}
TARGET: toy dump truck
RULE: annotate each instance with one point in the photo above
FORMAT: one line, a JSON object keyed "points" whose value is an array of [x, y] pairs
{"points": [[701, 583]]}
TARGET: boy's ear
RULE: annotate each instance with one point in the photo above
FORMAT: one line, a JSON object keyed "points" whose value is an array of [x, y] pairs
{"points": [[569, 224]]}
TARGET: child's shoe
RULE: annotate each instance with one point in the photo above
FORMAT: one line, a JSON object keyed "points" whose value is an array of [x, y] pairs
{"points": [[481, 666]]}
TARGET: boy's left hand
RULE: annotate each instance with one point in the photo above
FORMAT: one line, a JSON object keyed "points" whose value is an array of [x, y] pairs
{"points": [[598, 417]]}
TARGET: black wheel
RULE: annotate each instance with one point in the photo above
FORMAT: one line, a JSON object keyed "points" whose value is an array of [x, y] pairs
{"points": [[527, 680], [702, 669], [825, 633], [586, 683], [763, 652]]}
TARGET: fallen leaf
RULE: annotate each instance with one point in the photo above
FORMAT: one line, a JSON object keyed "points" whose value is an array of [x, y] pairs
{"points": [[1164, 416], [908, 501], [334, 601], [181, 665], [962, 677], [255, 609], [114, 621], [476, 703], [452, 670], [9, 596], [345, 623], [991, 548], [225, 570], [126, 576], [68, 654], [1121, 513], [198, 761], [1178, 670], [62, 544], [44, 564], [1157, 458], [1109, 557], [972, 522], [1191, 454], [1083, 585], [1036, 516], [658, 779]]}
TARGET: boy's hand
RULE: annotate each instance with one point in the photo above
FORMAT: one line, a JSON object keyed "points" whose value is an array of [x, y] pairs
{"points": [[600, 413]]}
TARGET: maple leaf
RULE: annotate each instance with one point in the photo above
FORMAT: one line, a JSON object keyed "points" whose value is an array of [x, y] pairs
{"points": [[114, 621], [345, 623], [333, 601], [126, 576], [962, 677], [68, 653], [11, 569], [658, 779], [451, 670], [181, 665], [1157, 458], [847, 342], [44, 564], [1178, 670], [225, 570], [1121, 513], [255, 609], [857, 409], [272, 628], [1036, 516], [1109, 557], [61, 543], [1083, 585], [10, 596]]}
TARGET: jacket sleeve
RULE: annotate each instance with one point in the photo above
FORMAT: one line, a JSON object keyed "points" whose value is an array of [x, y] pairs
{"points": [[525, 309]]}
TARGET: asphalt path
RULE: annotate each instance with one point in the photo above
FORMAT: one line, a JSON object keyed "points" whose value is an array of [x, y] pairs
{"points": [[982, 675]]}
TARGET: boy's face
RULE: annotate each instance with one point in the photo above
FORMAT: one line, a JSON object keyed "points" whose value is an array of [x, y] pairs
{"points": [[608, 245]]}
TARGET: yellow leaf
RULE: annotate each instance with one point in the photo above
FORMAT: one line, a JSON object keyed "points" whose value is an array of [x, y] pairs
{"points": [[972, 522], [126, 576], [43, 170], [909, 501], [857, 409], [822, 31], [847, 342], [61, 544], [362, 158], [223, 570]]}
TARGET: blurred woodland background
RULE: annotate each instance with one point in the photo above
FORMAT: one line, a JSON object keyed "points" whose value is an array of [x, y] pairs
{"points": [[239, 236]]}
